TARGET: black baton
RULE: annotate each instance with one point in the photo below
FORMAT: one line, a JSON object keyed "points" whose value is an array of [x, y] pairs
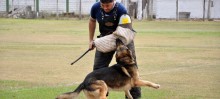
{"points": [[81, 56]]}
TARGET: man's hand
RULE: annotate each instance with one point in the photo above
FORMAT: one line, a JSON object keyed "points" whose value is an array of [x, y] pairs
{"points": [[91, 45]]}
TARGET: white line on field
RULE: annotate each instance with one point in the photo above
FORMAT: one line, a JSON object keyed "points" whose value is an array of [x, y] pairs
{"points": [[172, 70]]}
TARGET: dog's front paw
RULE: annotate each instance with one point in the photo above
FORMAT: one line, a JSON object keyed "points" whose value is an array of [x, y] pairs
{"points": [[156, 86]]}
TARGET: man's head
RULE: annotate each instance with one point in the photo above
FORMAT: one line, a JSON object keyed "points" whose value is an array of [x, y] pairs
{"points": [[106, 1], [107, 5]]}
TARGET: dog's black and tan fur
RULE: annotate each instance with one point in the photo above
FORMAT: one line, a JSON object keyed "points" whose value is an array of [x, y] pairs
{"points": [[121, 76]]}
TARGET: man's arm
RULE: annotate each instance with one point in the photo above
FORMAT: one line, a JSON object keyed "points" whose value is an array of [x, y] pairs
{"points": [[92, 26]]}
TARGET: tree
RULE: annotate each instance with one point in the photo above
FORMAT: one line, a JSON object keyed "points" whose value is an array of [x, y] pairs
{"points": [[149, 9]]}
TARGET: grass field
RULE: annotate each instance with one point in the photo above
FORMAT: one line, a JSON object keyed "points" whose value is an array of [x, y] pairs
{"points": [[35, 56]]}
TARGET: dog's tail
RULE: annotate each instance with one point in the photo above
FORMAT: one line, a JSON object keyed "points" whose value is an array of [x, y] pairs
{"points": [[79, 88], [72, 95]]}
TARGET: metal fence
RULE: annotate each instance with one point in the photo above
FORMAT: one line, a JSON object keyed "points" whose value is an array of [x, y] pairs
{"points": [[141, 9], [39, 7]]}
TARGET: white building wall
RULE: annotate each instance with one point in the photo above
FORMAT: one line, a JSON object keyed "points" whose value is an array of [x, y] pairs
{"points": [[215, 13], [166, 9], [195, 7], [2, 5]]}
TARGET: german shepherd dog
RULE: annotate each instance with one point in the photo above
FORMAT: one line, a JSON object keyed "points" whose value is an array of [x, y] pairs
{"points": [[121, 76]]}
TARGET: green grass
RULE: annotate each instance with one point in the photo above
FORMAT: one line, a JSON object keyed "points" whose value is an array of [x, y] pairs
{"points": [[35, 56], [45, 92]]}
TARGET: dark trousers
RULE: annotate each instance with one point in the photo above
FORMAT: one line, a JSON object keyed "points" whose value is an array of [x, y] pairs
{"points": [[104, 59]]}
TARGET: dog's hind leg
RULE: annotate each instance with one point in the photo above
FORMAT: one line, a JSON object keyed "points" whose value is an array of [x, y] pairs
{"points": [[128, 94], [90, 94], [146, 83], [69, 95], [100, 92], [103, 89]]}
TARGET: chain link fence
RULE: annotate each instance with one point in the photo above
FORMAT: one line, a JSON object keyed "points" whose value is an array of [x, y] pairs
{"points": [[140, 9], [45, 8]]}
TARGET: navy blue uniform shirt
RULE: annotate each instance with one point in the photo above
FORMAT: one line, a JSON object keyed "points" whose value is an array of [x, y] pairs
{"points": [[97, 13]]}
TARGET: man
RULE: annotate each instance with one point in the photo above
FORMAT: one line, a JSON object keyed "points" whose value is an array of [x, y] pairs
{"points": [[107, 13]]}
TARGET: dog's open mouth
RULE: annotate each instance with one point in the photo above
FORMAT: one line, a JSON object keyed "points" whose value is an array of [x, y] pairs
{"points": [[123, 54]]}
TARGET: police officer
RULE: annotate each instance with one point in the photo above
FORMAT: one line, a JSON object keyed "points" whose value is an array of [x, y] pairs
{"points": [[107, 13]]}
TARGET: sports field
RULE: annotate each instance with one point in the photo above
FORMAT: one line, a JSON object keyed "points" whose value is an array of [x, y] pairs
{"points": [[35, 56]]}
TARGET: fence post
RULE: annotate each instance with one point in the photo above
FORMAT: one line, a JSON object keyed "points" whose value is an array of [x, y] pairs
{"points": [[67, 6], [12, 4], [57, 13], [80, 9], [209, 10], [204, 10], [177, 10], [7, 6], [37, 8], [150, 10]]}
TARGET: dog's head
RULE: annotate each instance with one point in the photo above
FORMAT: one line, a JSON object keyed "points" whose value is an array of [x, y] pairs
{"points": [[123, 54]]}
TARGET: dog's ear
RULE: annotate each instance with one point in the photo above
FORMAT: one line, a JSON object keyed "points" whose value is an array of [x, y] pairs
{"points": [[118, 42]]}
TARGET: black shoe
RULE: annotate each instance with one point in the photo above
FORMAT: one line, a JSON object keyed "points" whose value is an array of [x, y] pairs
{"points": [[135, 93]]}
